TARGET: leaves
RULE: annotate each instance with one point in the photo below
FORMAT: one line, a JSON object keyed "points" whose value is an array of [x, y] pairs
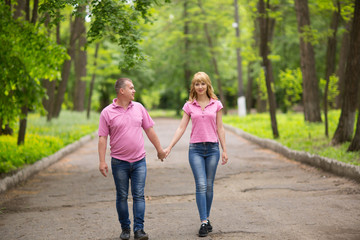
{"points": [[27, 55]]}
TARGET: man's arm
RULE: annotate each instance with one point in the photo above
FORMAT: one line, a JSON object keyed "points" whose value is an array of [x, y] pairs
{"points": [[150, 132], [103, 167]]}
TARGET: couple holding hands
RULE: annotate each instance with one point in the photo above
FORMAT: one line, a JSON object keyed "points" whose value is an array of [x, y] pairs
{"points": [[124, 120]]}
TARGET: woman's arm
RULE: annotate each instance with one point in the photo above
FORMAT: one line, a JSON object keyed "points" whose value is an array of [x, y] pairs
{"points": [[179, 132], [221, 134]]}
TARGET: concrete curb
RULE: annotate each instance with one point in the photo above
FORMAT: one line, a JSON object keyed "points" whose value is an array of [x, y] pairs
{"points": [[327, 164], [45, 162]]}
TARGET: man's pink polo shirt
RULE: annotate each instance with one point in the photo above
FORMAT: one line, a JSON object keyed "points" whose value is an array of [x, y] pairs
{"points": [[125, 129], [203, 121]]}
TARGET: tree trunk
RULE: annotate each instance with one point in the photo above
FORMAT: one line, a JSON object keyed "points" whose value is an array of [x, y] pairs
{"points": [[344, 52], [35, 11], [213, 59], [52, 85], [22, 124], [187, 72], [7, 130], [355, 144], [345, 126], [241, 97], [27, 10], [330, 60], [92, 80], [266, 27], [307, 56], [65, 73], [80, 66], [8, 2], [250, 80], [23, 6], [19, 7]]}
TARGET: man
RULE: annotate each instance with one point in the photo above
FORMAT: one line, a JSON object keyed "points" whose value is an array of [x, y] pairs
{"points": [[123, 121]]}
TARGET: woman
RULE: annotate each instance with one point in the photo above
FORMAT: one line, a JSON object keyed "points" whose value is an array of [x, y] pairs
{"points": [[205, 111]]}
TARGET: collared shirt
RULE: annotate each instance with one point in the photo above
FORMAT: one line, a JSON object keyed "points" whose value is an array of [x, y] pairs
{"points": [[125, 129], [203, 121]]}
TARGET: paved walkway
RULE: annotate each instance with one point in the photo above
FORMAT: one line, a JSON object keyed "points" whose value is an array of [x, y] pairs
{"points": [[258, 195]]}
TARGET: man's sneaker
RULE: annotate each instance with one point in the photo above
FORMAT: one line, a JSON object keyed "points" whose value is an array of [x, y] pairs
{"points": [[141, 235], [125, 234], [203, 232], [209, 227]]}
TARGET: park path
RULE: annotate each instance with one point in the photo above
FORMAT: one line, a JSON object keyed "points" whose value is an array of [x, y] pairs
{"points": [[258, 195]]}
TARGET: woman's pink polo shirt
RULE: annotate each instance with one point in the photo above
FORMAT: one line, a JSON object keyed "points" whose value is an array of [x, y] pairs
{"points": [[125, 129], [203, 121]]}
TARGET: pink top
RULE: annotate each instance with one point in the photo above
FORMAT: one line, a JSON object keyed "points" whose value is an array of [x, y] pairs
{"points": [[125, 129], [203, 121]]}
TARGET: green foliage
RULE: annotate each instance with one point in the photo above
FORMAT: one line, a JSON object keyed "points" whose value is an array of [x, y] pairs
{"points": [[290, 82], [27, 55], [117, 20], [44, 138], [297, 134], [333, 90], [262, 91]]}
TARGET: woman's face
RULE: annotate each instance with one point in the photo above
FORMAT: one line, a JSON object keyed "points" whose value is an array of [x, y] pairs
{"points": [[200, 88]]}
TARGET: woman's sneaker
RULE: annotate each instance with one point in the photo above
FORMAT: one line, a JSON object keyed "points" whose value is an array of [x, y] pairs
{"points": [[208, 225], [203, 232]]}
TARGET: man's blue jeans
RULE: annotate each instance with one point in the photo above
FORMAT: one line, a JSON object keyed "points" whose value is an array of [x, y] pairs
{"points": [[204, 158], [136, 172]]}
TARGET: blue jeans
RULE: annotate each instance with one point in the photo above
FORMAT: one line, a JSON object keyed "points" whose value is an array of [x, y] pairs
{"points": [[136, 172], [204, 158]]}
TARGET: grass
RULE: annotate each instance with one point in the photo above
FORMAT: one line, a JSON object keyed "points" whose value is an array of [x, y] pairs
{"points": [[44, 138], [297, 134]]}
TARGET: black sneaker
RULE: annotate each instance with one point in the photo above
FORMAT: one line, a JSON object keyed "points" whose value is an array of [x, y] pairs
{"points": [[141, 235], [203, 232], [125, 234], [208, 225]]}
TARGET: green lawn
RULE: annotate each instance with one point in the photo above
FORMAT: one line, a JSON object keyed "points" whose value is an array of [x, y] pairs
{"points": [[44, 138], [297, 134]]}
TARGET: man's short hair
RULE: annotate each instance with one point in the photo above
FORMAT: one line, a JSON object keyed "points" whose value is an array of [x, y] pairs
{"points": [[120, 83]]}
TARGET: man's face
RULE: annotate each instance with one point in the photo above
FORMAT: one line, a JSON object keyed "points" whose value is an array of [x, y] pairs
{"points": [[129, 90]]}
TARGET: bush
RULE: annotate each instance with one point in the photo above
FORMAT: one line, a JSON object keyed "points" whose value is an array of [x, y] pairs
{"points": [[44, 138]]}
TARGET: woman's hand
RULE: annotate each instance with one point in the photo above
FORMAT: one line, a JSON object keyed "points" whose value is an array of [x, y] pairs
{"points": [[224, 158], [167, 151]]}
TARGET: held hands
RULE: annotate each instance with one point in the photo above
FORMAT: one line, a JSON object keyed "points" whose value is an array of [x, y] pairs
{"points": [[161, 155], [164, 153]]}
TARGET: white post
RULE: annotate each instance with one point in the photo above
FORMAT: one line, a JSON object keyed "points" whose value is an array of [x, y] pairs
{"points": [[241, 102]]}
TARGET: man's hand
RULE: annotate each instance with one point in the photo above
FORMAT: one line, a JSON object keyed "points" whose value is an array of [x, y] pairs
{"points": [[103, 167], [161, 155]]}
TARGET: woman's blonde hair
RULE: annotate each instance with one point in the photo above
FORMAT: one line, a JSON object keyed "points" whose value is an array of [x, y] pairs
{"points": [[201, 77]]}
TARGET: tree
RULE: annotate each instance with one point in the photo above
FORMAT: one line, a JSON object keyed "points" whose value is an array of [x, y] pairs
{"points": [[330, 59], [344, 52], [92, 80], [80, 62], [187, 71], [241, 97], [65, 73], [116, 20], [345, 128], [311, 98], [266, 26], [27, 56], [213, 58]]}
